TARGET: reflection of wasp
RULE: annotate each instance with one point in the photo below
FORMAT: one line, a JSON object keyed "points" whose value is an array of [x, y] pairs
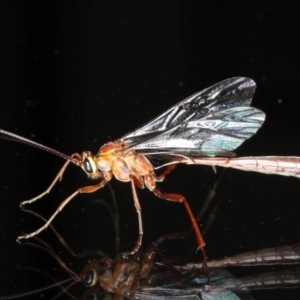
{"points": [[136, 276], [188, 281]]}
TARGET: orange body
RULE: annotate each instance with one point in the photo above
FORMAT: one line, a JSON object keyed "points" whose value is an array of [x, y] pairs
{"points": [[112, 159]]}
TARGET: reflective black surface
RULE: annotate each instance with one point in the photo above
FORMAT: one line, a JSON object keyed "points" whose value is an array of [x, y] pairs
{"points": [[74, 76]]}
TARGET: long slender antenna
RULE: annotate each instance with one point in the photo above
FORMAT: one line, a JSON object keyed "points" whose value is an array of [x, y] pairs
{"points": [[6, 135]]}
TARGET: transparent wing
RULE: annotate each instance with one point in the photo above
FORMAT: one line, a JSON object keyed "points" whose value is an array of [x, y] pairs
{"points": [[211, 135], [215, 120]]}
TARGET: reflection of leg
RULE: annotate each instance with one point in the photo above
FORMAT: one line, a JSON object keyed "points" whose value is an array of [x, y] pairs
{"points": [[114, 213], [86, 189], [62, 240], [211, 194], [49, 250]]}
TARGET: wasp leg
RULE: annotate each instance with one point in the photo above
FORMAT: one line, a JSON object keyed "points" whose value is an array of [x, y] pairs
{"points": [[86, 189]]}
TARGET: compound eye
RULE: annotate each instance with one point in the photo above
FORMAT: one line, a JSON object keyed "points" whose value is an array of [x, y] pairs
{"points": [[90, 279], [87, 166], [88, 163]]}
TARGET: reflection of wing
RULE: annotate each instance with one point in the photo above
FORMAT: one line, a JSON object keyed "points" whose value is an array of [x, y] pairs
{"points": [[215, 120], [167, 288], [223, 285]]}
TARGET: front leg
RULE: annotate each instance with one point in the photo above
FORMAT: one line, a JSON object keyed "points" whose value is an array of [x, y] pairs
{"points": [[86, 189], [58, 177]]}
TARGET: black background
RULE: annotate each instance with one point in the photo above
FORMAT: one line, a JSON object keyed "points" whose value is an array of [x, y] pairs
{"points": [[76, 74]]}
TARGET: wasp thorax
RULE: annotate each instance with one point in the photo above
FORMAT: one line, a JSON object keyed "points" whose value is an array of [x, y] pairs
{"points": [[88, 163], [110, 148]]}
